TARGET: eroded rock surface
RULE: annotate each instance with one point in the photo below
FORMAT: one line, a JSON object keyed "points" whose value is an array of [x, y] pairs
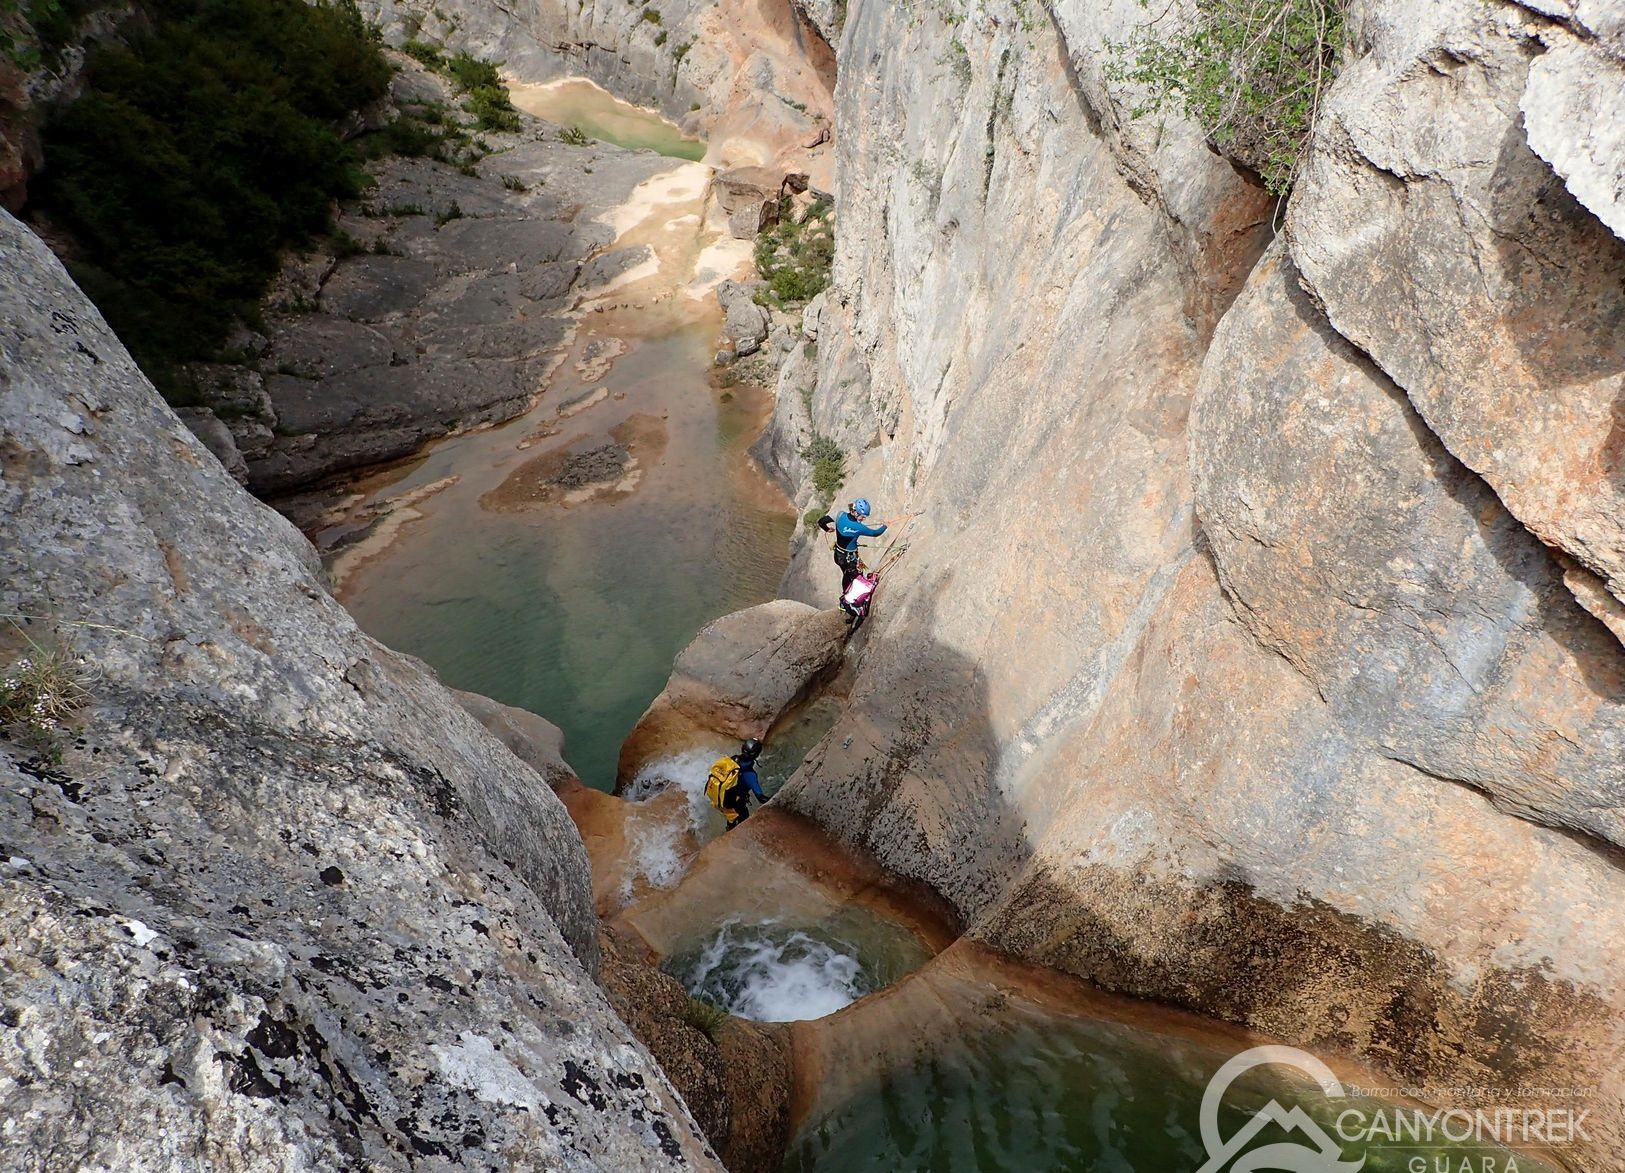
{"points": [[454, 322], [279, 902], [1232, 662]]}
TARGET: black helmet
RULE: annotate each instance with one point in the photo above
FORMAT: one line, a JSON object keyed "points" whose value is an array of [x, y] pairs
{"points": [[751, 749]]}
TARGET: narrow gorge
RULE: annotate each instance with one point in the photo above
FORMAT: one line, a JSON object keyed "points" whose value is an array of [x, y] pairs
{"points": [[1245, 670]]}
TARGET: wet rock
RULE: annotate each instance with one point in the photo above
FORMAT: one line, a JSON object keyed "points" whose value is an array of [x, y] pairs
{"points": [[287, 903], [736, 678], [607, 267]]}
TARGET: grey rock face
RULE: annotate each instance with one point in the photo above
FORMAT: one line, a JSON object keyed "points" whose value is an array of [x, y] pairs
{"points": [[281, 903], [1574, 107], [534, 740], [217, 438], [1446, 249], [459, 329]]}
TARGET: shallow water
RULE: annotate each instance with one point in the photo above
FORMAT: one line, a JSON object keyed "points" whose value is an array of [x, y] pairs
{"points": [[776, 971], [576, 611], [787, 747], [1012, 1088], [579, 103]]}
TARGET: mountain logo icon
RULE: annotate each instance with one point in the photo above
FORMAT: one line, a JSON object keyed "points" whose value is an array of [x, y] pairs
{"points": [[1316, 1153]]}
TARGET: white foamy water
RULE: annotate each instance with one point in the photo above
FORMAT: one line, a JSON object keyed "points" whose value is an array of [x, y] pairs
{"points": [[772, 973], [653, 856], [687, 771], [657, 852]]}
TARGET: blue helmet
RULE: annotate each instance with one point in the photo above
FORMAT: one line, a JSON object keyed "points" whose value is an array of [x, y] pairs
{"points": [[860, 507]]}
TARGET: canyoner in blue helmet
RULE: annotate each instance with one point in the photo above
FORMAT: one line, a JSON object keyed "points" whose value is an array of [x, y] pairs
{"points": [[857, 581], [848, 526]]}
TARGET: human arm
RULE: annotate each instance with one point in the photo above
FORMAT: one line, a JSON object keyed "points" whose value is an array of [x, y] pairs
{"points": [[747, 775]]}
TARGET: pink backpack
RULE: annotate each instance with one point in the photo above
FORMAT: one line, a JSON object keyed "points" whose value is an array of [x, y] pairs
{"points": [[856, 599]]}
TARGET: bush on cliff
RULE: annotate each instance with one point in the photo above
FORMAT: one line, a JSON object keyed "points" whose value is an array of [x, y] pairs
{"points": [[1250, 73], [794, 257], [199, 152]]}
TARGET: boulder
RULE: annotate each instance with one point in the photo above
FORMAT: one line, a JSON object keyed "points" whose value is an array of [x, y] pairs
{"points": [[744, 322], [217, 438], [737, 677], [534, 740], [749, 197]]}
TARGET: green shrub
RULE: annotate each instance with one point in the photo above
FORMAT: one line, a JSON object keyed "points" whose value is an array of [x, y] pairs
{"points": [[425, 54], [650, 15], [514, 183], [469, 73], [490, 105], [408, 136], [199, 152], [342, 245], [1250, 73], [705, 1017], [829, 466], [660, 37], [485, 93], [794, 258], [575, 136]]}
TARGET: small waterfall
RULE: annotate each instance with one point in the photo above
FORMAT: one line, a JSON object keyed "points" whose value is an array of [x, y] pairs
{"points": [[687, 771], [770, 972], [659, 847]]}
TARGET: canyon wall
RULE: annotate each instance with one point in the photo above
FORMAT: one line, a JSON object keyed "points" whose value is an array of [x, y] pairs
{"points": [[272, 900], [753, 76], [1257, 649]]}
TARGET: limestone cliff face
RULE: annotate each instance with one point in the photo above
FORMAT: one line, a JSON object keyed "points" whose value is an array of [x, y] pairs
{"points": [[281, 903], [753, 75], [1254, 650]]}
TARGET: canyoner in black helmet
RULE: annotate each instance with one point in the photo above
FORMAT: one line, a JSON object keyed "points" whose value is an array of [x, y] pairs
{"points": [[733, 780]]}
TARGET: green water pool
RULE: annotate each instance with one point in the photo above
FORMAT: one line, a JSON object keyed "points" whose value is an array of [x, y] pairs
{"points": [[599, 114], [577, 612], [1008, 1087]]}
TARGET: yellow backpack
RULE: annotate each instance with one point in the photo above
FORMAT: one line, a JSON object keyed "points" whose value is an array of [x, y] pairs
{"points": [[722, 781]]}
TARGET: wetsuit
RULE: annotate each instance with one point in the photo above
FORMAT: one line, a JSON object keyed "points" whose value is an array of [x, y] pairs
{"points": [[848, 530], [736, 806]]}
